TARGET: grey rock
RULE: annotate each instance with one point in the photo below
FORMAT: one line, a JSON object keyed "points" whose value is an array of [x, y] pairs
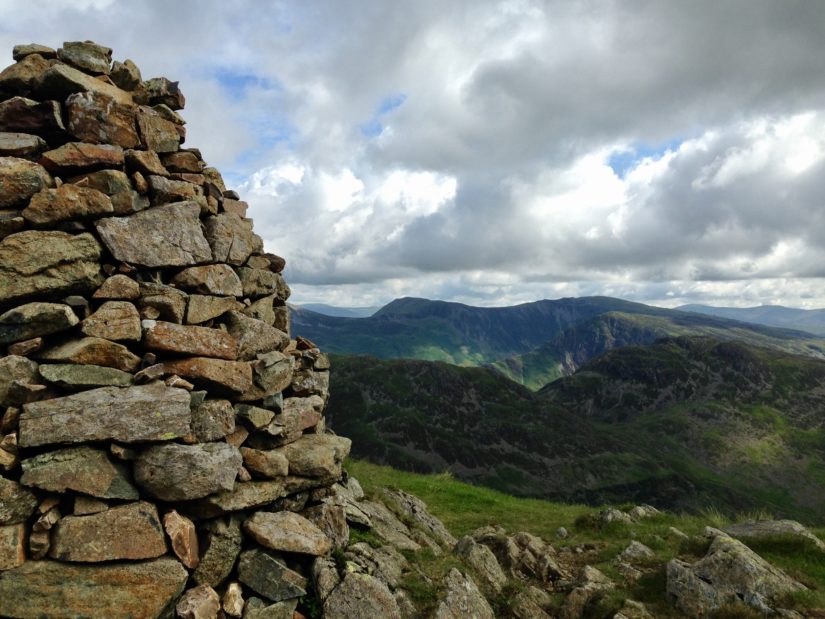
{"points": [[82, 377], [415, 510], [729, 573], [261, 283], [317, 455], [388, 527], [222, 546], [254, 336], [115, 321], [135, 414], [269, 577], [92, 351], [287, 532], [125, 74], [86, 56], [97, 118], [331, 519], [15, 369], [384, 562], [463, 599], [81, 469], [21, 145], [767, 529], [212, 279], [48, 264], [483, 562], [213, 420], [17, 503], [35, 320], [231, 238], [60, 81], [163, 236], [202, 308], [157, 133], [361, 595], [173, 472], [258, 609]]}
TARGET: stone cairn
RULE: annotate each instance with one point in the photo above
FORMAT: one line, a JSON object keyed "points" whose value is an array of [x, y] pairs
{"points": [[162, 438]]}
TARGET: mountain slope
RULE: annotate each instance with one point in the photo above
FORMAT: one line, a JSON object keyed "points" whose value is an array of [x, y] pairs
{"points": [[342, 312], [464, 335], [575, 346], [812, 321], [684, 423]]}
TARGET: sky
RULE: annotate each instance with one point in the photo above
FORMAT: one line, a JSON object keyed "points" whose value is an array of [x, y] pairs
{"points": [[495, 153]]}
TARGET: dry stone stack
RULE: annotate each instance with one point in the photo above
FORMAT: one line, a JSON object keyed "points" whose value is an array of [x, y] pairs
{"points": [[162, 439]]}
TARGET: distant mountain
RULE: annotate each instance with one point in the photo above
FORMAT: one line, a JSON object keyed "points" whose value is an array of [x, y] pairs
{"points": [[575, 346], [340, 312], [683, 423], [531, 343], [812, 321]]}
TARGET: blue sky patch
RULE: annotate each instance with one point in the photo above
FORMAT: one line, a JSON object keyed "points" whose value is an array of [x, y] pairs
{"points": [[373, 127], [236, 84], [624, 161]]}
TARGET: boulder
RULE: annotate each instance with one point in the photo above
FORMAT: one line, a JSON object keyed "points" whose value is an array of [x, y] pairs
{"points": [[165, 190], [93, 351], [413, 509], [267, 464], [388, 527], [125, 75], [189, 340], [767, 529], [67, 202], [146, 162], [231, 238], [161, 91], [174, 472], [331, 519], [22, 76], [256, 608], [287, 532], [212, 420], [35, 320], [44, 119], [115, 591], [81, 469], [118, 288], [213, 279], [231, 378], [130, 531], [163, 236], [162, 301], [61, 80], [15, 370], [483, 562], [261, 283], [156, 133], [254, 336], [97, 118], [20, 179], [728, 574], [203, 308], [114, 320], [269, 577], [86, 56], [361, 595], [135, 414], [317, 455], [463, 599]]}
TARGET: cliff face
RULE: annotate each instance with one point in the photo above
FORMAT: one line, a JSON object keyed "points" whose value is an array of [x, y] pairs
{"points": [[163, 439]]}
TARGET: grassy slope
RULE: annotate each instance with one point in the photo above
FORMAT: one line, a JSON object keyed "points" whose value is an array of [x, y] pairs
{"points": [[463, 508], [684, 424]]}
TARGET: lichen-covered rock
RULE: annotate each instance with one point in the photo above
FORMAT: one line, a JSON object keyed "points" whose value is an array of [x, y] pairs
{"points": [[81, 469], [463, 599], [483, 562], [73, 377], [173, 472], [254, 336], [132, 531], [729, 573], [163, 236], [212, 279], [86, 56], [92, 351], [269, 577], [12, 546], [115, 591], [20, 179], [67, 202], [222, 547], [98, 118], [134, 414], [48, 264], [361, 595], [35, 320], [16, 502], [189, 340], [114, 320]]}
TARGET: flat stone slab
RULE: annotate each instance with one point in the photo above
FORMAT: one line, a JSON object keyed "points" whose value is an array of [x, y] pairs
{"points": [[48, 264], [121, 591], [189, 340], [82, 469], [76, 377], [135, 414], [131, 531], [163, 236], [93, 351]]}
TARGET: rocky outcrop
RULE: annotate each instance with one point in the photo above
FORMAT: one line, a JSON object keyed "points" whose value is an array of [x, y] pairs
{"points": [[162, 438]]}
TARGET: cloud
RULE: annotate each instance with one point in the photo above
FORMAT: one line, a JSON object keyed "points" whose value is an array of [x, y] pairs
{"points": [[500, 151]]}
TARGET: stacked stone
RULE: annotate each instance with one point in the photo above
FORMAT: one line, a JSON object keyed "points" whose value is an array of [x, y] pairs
{"points": [[162, 441]]}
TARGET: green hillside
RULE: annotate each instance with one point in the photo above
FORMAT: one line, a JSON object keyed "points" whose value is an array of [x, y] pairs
{"points": [[575, 346], [685, 423]]}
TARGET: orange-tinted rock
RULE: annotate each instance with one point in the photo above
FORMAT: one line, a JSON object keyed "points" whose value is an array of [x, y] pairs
{"points": [[118, 287], [204, 307], [97, 118], [65, 203], [287, 532], [189, 340], [115, 591], [93, 351], [201, 602], [184, 538], [146, 162], [218, 375], [76, 157], [114, 320], [130, 531], [22, 76]]}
